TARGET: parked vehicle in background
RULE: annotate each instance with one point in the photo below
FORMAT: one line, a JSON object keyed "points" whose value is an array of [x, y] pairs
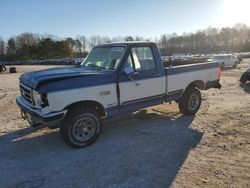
{"points": [[114, 79], [245, 54], [245, 76], [240, 58], [2, 68], [227, 60]]}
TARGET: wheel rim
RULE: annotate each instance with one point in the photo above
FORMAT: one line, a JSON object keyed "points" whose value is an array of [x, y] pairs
{"points": [[194, 102], [83, 129]]}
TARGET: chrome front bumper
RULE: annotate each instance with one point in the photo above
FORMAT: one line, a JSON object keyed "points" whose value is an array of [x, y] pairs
{"points": [[49, 118]]}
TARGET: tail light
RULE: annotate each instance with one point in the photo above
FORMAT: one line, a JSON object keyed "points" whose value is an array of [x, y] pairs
{"points": [[219, 72]]}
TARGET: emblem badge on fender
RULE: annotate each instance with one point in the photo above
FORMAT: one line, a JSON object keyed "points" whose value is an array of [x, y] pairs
{"points": [[103, 93]]}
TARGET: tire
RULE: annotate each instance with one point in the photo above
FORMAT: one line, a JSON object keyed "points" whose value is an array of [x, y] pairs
{"points": [[81, 128], [31, 121], [190, 102], [12, 70], [243, 78]]}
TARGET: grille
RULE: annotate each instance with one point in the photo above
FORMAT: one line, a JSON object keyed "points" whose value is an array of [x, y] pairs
{"points": [[26, 93]]}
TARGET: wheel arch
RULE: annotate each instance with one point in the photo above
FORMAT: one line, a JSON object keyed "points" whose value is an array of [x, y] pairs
{"points": [[88, 104], [196, 84]]}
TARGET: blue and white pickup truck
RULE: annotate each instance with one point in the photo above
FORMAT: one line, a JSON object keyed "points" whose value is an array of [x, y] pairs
{"points": [[115, 78]]}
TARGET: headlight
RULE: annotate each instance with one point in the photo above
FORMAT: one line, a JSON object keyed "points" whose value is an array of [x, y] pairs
{"points": [[37, 98]]}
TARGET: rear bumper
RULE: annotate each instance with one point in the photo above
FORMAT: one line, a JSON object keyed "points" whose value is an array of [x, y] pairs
{"points": [[49, 118], [213, 84]]}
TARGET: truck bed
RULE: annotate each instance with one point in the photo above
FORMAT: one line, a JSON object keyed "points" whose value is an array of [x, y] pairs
{"points": [[204, 72]]}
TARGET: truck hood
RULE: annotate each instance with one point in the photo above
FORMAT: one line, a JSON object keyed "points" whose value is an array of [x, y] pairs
{"points": [[34, 79]]}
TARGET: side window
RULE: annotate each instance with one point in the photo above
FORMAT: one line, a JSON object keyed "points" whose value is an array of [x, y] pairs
{"points": [[129, 62], [143, 59]]}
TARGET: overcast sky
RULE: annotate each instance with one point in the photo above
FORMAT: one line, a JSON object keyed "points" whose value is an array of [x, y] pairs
{"points": [[148, 18]]}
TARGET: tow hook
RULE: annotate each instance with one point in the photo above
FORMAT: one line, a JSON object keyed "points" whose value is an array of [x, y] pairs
{"points": [[23, 115]]}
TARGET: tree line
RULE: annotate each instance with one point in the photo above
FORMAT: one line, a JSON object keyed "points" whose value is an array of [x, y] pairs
{"points": [[30, 46], [210, 40]]}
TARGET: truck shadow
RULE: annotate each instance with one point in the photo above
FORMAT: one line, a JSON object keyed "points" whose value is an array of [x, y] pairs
{"points": [[141, 150], [245, 87]]}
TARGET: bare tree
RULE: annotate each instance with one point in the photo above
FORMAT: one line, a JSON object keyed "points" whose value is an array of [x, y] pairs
{"points": [[129, 38], [83, 40], [71, 43], [26, 39], [78, 46], [118, 39], [105, 39], [94, 40]]}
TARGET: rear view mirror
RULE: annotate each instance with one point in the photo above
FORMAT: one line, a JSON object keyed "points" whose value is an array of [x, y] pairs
{"points": [[129, 70]]}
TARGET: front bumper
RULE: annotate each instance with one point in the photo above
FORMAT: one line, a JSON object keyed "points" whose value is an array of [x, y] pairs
{"points": [[49, 118]]}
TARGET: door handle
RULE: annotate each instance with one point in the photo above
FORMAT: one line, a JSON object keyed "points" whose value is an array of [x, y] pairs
{"points": [[136, 73], [135, 82], [157, 74]]}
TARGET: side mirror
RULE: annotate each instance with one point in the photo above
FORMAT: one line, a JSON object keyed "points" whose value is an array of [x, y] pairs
{"points": [[78, 64], [129, 70]]}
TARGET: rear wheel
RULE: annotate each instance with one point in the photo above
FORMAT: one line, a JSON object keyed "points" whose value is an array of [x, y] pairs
{"points": [[190, 102], [81, 128]]}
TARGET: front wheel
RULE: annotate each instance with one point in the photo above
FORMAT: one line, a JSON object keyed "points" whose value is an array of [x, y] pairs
{"points": [[190, 102], [81, 128]]}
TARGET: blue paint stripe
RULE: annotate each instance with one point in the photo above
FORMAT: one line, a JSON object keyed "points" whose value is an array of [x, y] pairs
{"points": [[190, 68], [140, 104], [84, 81]]}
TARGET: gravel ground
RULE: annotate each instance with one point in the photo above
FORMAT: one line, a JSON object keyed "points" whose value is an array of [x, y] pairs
{"points": [[154, 147]]}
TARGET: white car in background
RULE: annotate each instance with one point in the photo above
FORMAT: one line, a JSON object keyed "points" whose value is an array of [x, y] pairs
{"points": [[226, 60]]}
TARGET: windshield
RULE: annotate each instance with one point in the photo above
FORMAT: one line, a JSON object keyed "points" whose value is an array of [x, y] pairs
{"points": [[104, 58]]}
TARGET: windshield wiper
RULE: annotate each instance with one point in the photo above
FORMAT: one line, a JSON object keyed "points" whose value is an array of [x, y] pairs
{"points": [[95, 66]]}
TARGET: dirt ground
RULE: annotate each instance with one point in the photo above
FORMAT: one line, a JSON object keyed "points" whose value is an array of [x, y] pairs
{"points": [[155, 147]]}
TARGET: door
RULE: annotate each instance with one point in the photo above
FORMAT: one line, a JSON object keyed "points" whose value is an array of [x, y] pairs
{"points": [[146, 85]]}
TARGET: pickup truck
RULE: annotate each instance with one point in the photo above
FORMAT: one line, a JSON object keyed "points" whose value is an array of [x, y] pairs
{"points": [[114, 79]]}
